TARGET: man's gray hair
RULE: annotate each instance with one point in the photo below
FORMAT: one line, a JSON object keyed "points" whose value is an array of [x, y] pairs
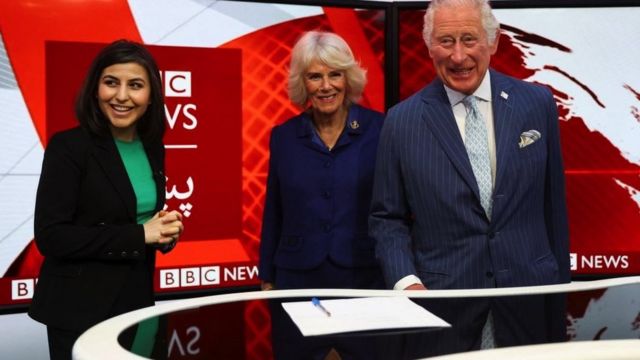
{"points": [[489, 21]]}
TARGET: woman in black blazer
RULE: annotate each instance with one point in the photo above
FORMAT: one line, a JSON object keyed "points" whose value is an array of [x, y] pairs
{"points": [[98, 217]]}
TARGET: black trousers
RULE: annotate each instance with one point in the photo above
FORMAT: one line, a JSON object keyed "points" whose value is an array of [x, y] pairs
{"points": [[61, 342]]}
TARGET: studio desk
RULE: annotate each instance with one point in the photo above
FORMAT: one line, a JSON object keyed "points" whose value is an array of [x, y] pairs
{"points": [[602, 320]]}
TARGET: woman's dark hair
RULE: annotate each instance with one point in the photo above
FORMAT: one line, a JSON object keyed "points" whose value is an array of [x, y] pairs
{"points": [[150, 127]]}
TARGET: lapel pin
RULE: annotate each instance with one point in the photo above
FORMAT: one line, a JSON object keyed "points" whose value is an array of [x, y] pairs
{"points": [[354, 124], [504, 95]]}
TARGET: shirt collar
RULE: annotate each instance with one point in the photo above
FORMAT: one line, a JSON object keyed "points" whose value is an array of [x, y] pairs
{"points": [[353, 125], [483, 92]]}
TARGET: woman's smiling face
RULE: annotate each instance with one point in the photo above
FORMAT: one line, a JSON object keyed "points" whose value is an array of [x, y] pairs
{"points": [[326, 88], [124, 93]]}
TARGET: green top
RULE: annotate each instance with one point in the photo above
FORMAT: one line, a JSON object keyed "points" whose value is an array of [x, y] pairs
{"points": [[141, 177]]}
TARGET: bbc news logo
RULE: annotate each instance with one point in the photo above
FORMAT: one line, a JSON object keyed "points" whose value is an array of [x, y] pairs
{"points": [[599, 261], [177, 83], [187, 277], [180, 113], [206, 276]]}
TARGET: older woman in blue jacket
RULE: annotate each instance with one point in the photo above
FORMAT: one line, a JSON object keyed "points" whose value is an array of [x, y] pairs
{"points": [[314, 231]]}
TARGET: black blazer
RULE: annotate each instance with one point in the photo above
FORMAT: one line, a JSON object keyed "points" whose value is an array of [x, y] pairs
{"points": [[96, 262]]}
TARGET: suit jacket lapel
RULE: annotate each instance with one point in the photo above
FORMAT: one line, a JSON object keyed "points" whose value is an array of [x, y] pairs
{"points": [[304, 132], [109, 160], [438, 116], [506, 128]]}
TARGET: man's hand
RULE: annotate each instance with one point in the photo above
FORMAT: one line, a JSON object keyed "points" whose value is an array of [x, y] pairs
{"points": [[415, 287]]}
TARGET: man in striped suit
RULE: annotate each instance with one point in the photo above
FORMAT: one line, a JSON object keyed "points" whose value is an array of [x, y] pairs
{"points": [[469, 189]]}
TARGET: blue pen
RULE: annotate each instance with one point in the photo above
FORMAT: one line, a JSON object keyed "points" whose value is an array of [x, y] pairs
{"points": [[316, 303]]}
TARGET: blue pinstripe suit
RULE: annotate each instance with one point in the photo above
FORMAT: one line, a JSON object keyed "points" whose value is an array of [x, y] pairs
{"points": [[426, 215]]}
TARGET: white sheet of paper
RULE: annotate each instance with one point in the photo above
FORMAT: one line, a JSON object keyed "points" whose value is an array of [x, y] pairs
{"points": [[360, 314]]}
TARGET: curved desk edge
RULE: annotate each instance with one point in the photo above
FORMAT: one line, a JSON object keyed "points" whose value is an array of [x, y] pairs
{"points": [[575, 350], [101, 341]]}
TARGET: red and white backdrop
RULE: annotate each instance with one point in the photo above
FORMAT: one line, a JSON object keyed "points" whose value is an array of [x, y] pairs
{"points": [[224, 68]]}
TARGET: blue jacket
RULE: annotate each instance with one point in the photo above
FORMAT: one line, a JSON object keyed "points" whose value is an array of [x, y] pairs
{"points": [[317, 200], [426, 213], [427, 218]]}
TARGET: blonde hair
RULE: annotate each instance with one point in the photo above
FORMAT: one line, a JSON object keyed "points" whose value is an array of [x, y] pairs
{"points": [[331, 50]]}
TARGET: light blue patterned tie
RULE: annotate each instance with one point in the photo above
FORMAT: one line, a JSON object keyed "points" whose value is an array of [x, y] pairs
{"points": [[478, 150]]}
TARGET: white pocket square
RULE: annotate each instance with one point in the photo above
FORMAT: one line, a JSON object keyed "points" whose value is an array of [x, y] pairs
{"points": [[528, 137]]}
